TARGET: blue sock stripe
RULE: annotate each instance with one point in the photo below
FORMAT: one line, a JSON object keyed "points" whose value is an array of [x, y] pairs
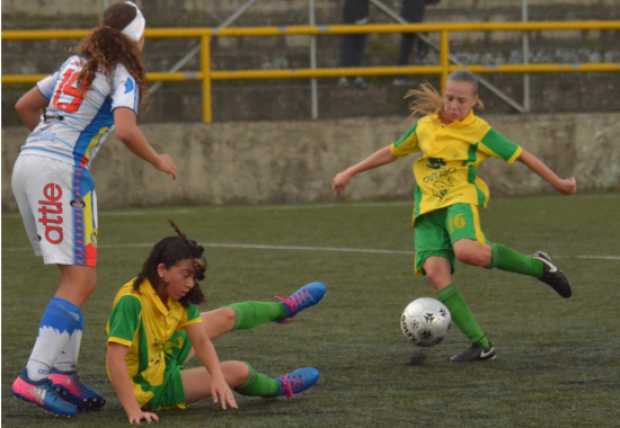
{"points": [[62, 315]]}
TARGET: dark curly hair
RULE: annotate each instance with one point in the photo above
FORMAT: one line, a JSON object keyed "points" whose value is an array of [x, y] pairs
{"points": [[170, 251], [106, 46]]}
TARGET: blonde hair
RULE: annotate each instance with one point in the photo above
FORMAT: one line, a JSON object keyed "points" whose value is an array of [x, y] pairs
{"points": [[425, 99]]}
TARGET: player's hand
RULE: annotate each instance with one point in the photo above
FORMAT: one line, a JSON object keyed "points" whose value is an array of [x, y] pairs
{"points": [[340, 182], [141, 415], [166, 164], [567, 186], [222, 394]]}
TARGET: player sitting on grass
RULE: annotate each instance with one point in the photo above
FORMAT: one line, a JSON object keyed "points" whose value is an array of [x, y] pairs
{"points": [[454, 142], [155, 327]]}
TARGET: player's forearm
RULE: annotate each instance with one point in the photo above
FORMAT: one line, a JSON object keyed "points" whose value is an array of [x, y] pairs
{"points": [[380, 157], [539, 167], [136, 142], [206, 353], [121, 382]]}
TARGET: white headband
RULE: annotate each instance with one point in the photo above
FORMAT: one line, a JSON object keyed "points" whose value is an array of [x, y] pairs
{"points": [[135, 29]]}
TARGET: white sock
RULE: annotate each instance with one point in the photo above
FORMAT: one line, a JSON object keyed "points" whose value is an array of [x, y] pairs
{"points": [[46, 349], [67, 359]]}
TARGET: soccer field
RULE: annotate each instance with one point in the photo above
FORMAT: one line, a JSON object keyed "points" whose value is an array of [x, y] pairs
{"points": [[557, 361]]}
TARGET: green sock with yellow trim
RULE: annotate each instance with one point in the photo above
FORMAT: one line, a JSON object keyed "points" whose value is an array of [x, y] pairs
{"points": [[507, 259], [462, 316], [250, 314], [259, 385]]}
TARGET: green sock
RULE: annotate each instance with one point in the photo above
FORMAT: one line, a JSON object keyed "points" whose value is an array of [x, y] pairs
{"points": [[259, 385], [505, 258], [250, 314], [462, 315]]}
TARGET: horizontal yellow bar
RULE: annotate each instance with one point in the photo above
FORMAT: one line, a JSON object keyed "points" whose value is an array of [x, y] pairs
{"points": [[323, 72], [354, 71], [154, 76], [330, 29], [542, 68]]}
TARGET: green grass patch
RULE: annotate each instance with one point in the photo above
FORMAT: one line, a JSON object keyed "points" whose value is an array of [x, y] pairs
{"points": [[557, 360]]}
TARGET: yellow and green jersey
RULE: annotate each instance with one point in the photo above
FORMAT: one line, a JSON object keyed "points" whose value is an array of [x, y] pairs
{"points": [[447, 171], [148, 327]]}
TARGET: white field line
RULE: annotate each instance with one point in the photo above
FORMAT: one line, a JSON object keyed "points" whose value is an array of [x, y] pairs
{"points": [[190, 210], [308, 248]]}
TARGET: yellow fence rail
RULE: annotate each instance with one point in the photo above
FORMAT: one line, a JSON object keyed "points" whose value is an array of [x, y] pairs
{"points": [[207, 75]]}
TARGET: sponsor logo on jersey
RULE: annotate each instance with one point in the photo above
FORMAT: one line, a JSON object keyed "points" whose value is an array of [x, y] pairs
{"points": [[78, 203], [50, 210]]}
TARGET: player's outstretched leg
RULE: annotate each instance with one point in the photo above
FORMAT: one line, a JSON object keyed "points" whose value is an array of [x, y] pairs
{"points": [[552, 276], [308, 295], [250, 314], [69, 387], [262, 385], [298, 381], [41, 393]]}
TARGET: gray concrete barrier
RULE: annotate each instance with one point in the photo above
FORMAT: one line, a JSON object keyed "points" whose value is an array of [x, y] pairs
{"points": [[294, 162]]}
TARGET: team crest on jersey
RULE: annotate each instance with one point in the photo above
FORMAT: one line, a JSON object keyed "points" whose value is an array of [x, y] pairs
{"points": [[435, 163], [129, 85]]}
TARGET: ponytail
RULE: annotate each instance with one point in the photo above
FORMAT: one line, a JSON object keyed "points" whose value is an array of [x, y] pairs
{"points": [[424, 100]]}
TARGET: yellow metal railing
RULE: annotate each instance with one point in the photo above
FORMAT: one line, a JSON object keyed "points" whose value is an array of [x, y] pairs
{"points": [[207, 75]]}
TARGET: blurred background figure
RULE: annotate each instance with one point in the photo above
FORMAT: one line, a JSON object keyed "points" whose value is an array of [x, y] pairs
{"points": [[412, 11], [354, 45]]}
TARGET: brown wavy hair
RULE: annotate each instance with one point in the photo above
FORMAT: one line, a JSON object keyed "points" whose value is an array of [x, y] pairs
{"points": [[106, 46], [425, 99], [170, 251]]}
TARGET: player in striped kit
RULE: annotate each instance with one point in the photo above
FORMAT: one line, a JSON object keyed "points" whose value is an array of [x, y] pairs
{"points": [[93, 91]]}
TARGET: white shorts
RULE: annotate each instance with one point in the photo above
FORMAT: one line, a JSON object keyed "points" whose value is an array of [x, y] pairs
{"points": [[58, 206]]}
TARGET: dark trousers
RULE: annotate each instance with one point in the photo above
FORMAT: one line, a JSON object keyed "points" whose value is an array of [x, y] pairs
{"points": [[411, 11], [353, 45]]}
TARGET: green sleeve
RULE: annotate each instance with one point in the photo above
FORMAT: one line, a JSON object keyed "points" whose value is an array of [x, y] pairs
{"points": [[192, 316], [124, 320], [407, 143], [192, 312], [496, 144]]}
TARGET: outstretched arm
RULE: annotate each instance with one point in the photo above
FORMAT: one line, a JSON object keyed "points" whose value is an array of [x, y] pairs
{"points": [[121, 382], [567, 186], [205, 351], [128, 132], [380, 157]]}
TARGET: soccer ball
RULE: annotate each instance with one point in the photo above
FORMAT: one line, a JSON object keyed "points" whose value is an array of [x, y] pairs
{"points": [[425, 321]]}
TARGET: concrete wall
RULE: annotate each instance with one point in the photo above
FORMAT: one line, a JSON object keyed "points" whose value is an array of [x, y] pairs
{"points": [[293, 162]]}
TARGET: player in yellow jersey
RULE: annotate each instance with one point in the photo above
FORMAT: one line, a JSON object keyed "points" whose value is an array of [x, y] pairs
{"points": [[155, 327], [453, 142]]}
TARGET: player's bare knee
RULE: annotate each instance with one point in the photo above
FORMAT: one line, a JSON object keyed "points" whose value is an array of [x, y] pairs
{"points": [[228, 317], [236, 372], [469, 256], [437, 278]]}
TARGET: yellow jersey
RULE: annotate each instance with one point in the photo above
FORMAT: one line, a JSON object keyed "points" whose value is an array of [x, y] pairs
{"points": [[147, 326], [447, 171]]}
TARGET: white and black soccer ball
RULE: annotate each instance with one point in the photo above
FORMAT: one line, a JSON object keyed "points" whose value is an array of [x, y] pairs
{"points": [[425, 321]]}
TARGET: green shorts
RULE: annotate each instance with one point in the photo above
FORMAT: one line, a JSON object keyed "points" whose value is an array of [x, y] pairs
{"points": [[170, 394], [435, 232]]}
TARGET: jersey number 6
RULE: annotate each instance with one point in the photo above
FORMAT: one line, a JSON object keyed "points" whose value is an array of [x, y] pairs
{"points": [[68, 88]]}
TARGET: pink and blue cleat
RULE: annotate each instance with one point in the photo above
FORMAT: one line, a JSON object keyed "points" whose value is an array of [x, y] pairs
{"points": [[69, 387], [308, 295], [41, 393], [298, 381]]}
